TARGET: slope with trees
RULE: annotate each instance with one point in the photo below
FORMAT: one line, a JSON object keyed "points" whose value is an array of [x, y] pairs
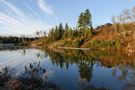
{"points": [[118, 35]]}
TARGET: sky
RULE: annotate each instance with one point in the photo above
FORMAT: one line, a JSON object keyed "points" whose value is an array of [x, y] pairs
{"points": [[25, 17]]}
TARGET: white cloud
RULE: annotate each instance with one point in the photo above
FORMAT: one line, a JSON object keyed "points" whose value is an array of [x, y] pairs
{"points": [[13, 8], [20, 22], [47, 9]]}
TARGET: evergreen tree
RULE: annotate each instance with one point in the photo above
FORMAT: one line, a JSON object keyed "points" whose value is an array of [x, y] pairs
{"points": [[65, 35], [66, 26], [81, 21], [60, 31], [56, 33], [84, 21]]}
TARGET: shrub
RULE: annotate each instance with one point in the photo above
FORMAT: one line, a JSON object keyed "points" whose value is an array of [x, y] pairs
{"points": [[118, 43], [95, 43], [105, 44], [75, 43], [101, 44]]}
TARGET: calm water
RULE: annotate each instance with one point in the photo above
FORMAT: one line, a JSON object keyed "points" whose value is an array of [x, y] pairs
{"points": [[71, 69]]}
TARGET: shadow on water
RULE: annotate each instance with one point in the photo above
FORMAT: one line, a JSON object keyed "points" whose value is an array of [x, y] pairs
{"points": [[35, 76]]}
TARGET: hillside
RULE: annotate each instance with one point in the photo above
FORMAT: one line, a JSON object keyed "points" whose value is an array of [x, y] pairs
{"points": [[104, 38], [119, 36]]}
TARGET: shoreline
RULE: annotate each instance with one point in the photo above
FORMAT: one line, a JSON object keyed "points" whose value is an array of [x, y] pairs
{"points": [[87, 49]]}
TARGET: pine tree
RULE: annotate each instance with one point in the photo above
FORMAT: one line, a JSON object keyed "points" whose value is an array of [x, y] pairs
{"points": [[65, 35], [84, 21], [60, 31], [81, 21]]}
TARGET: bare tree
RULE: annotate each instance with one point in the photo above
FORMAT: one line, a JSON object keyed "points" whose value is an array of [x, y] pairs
{"points": [[114, 22], [38, 33], [129, 15], [133, 15]]}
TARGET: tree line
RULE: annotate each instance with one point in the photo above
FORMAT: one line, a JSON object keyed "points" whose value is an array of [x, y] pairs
{"points": [[61, 31], [15, 40], [114, 34]]}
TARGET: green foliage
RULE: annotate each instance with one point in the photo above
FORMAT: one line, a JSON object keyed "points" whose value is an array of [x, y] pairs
{"points": [[101, 44], [67, 44], [95, 43], [118, 43], [66, 32], [87, 33], [84, 21], [59, 33], [75, 43], [85, 71], [105, 44]]}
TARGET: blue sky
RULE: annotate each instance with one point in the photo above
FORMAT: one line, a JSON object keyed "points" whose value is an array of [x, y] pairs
{"points": [[19, 17]]}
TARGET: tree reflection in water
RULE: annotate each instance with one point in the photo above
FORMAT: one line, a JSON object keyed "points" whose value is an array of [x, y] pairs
{"points": [[85, 70], [85, 60], [34, 77], [84, 63]]}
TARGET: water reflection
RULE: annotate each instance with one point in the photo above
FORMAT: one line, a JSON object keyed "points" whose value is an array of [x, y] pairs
{"points": [[119, 64], [34, 77], [71, 70], [85, 70]]}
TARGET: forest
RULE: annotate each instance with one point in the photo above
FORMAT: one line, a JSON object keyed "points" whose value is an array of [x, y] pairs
{"points": [[118, 35], [15, 40]]}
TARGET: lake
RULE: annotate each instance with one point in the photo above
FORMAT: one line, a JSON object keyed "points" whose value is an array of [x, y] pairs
{"points": [[65, 70]]}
